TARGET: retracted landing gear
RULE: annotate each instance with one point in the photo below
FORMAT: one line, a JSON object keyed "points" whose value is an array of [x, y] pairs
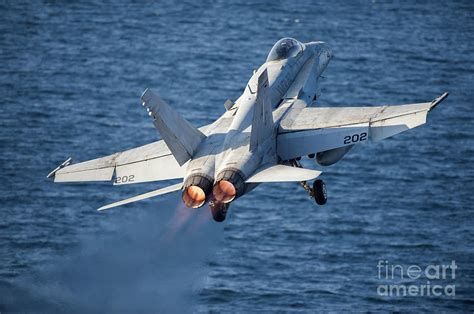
{"points": [[317, 191]]}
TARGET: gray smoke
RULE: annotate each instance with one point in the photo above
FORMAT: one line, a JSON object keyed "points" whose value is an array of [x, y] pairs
{"points": [[154, 263]]}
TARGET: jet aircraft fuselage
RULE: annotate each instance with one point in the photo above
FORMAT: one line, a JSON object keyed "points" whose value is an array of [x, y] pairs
{"points": [[221, 175], [259, 138]]}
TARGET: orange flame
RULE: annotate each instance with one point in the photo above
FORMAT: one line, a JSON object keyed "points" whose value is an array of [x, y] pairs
{"points": [[224, 191], [194, 197]]}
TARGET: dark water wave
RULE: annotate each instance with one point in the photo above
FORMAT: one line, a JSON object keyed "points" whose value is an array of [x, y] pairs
{"points": [[70, 82]]}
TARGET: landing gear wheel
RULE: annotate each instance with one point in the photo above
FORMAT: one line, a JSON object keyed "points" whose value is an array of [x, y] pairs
{"points": [[218, 210], [320, 193]]}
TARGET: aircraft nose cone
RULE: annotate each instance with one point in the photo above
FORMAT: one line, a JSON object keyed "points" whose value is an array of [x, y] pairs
{"points": [[224, 191], [194, 197]]}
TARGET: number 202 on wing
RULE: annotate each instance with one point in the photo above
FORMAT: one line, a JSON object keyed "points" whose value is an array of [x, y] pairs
{"points": [[349, 139]]}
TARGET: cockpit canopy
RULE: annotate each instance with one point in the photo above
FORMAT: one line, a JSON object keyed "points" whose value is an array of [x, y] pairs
{"points": [[284, 49]]}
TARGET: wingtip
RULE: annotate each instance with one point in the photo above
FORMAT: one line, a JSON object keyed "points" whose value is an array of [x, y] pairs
{"points": [[65, 163], [438, 100], [444, 95]]}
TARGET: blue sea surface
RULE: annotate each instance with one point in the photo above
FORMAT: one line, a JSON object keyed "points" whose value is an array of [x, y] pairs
{"points": [[71, 76]]}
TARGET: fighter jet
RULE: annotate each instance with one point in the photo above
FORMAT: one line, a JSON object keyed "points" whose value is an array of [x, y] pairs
{"points": [[260, 137]]}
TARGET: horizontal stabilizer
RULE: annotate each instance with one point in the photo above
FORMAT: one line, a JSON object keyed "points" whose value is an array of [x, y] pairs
{"points": [[282, 173], [140, 197]]}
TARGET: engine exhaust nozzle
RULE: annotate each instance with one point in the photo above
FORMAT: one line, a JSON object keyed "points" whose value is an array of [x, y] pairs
{"points": [[224, 191], [197, 189], [193, 196], [229, 185]]}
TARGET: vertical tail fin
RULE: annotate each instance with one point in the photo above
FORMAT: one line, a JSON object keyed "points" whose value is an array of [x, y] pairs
{"points": [[179, 135], [262, 124]]}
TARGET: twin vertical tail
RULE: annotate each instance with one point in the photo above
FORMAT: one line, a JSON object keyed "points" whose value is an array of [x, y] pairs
{"points": [[262, 124], [180, 136]]}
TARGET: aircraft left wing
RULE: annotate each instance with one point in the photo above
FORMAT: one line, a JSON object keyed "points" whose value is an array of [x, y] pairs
{"points": [[152, 162], [306, 131]]}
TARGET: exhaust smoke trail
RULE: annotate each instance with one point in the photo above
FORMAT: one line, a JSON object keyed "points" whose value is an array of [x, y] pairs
{"points": [[153, 263]]}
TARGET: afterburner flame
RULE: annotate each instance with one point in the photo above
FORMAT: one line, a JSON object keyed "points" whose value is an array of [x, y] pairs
{"points": [[194, 197], [224, 191]]}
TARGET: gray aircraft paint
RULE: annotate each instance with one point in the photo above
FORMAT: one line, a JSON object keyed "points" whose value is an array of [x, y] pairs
{"points": [[207, 154]]}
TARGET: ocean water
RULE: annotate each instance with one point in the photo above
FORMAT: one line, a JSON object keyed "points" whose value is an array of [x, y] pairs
{"points": [[70, 80]]}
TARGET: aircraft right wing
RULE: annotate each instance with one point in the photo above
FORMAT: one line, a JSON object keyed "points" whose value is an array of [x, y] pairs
{"points": [[306, 131]]}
